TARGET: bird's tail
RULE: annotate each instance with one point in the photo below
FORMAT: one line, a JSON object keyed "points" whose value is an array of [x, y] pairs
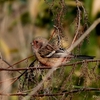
{"points": [[84, 57]]}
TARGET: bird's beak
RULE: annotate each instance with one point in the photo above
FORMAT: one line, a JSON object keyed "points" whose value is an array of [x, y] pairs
{"points": [[32, 43]]}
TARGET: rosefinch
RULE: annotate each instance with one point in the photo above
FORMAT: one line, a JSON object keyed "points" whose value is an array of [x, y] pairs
{"points": [[49, 54]]}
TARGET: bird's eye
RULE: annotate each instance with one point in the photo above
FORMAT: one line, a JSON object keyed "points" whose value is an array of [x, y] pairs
{"points": [[36, 41]]}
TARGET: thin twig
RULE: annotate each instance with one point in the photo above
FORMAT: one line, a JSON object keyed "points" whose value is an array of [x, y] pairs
{"points": [[5, 61], [53, 94], [96, 22], [78, 23], [20, 61], [45, 67]]}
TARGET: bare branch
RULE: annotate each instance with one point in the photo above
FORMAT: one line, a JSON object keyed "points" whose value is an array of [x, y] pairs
{"points": [[45, 67], [55, 94]]}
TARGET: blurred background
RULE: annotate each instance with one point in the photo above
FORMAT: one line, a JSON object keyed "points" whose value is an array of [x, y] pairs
{"points": [[23, 20]]}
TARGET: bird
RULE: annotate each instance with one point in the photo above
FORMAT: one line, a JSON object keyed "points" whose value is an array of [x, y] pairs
{"points": [[51, 55]]}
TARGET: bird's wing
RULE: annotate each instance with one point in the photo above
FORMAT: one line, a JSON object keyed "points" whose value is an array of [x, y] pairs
{"points": [[47, 51], [50, 51]]}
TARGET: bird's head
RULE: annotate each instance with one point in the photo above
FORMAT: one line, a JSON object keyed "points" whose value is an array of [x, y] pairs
{"points": [[38, 43]]}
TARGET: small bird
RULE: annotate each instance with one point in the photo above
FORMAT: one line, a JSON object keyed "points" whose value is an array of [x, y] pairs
{"points": [[50, 55]]}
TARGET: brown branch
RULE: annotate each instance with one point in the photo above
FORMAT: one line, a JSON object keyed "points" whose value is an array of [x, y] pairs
{"points": [[52, 34], [20, 61], [96, 22], [5, 62], [78, 23], [53, 94], [44, 67]]}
